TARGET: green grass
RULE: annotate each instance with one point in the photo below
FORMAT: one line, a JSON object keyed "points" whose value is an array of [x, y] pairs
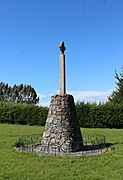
{"points": [[26, 166]]}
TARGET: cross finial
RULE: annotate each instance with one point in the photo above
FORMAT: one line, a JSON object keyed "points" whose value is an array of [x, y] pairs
{"points": [[62, 47]]}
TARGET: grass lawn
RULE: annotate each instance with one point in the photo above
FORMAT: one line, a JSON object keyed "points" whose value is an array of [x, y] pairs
{"points": [[26, 166]]}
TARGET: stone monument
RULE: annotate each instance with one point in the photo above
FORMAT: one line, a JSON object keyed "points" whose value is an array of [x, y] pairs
{"points": [[62, 132]]}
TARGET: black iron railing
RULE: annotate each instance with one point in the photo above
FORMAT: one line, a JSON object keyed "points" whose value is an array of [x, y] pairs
{"points": [[92, 143]]}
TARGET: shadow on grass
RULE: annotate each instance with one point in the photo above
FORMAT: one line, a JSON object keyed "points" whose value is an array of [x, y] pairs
{"points": [[96, 147]]}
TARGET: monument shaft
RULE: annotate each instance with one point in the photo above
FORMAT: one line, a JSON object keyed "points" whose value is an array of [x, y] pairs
{"points": [[62, 74], [62, 69]]}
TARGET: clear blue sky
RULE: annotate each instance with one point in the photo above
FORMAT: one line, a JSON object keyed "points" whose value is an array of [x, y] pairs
{"points": [[30, 31]]}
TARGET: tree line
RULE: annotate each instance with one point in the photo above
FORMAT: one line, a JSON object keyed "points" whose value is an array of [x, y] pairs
{"points": [[18, 93], [117, 94]]}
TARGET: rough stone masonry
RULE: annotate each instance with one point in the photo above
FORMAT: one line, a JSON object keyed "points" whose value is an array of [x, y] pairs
{"points": [[62, 131]]}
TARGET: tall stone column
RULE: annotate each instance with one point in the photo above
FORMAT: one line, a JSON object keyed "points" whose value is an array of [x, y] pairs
{"points": [[62, 69]]}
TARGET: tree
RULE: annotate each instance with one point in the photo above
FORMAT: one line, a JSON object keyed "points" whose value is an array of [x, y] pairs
{"points": [[18, 94], [117, 94]]}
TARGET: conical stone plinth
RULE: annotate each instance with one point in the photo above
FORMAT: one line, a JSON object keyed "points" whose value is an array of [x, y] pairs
{"points": [[62, 131]]}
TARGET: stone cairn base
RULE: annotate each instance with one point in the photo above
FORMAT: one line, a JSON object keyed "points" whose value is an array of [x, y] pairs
{"points": [[62, 132]]}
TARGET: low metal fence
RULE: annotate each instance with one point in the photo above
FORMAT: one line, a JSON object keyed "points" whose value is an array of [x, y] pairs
{"points": [[92, 144]]}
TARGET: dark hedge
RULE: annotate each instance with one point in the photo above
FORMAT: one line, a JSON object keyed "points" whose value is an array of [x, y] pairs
{"points": [[107, 115], [22, 114]]}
